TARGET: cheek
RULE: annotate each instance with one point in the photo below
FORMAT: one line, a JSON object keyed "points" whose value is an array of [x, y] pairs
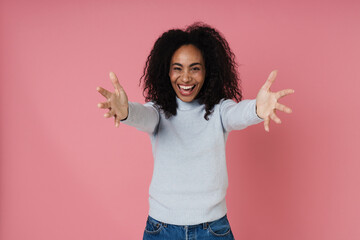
{"points": [[200, 77], [172, 76]]}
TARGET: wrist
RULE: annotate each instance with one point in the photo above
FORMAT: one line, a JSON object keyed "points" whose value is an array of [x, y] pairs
{"points": [[256, 112], [127, 114]]}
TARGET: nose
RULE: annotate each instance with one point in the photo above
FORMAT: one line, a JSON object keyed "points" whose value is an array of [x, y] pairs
{"points": [[186, 77]]}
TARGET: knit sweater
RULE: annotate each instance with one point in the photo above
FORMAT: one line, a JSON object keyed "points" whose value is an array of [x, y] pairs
{"points": [[190, 179]]}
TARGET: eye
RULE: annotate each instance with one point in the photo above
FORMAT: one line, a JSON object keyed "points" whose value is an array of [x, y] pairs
{"points": [[177, 69], [196, 69]]}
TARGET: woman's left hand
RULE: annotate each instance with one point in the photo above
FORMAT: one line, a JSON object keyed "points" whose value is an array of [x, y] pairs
{"points": [[267, 102]]}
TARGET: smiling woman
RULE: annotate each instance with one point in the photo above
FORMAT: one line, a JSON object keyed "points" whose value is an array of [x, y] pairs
{"points": [[190, 81]]}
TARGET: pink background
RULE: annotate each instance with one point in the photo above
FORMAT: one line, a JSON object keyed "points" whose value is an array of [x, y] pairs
{"points": [[68, 173]]}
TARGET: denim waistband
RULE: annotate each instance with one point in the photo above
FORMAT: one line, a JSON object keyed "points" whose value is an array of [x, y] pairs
{"points": [[203, 225]]}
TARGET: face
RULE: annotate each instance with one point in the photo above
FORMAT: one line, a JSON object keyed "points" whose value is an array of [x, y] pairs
{"points": [[187, 72]]}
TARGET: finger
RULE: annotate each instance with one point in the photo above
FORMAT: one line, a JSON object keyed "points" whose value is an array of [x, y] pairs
{"points": [[104, 105], [270, 80], [275, 118], [266, 124], [117, 121], [283, 93], [116, 83], [283, 108], [109, 113], [104, 92]]}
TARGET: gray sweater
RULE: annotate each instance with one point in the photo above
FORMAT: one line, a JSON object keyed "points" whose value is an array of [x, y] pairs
{"points": [[190, 178]]}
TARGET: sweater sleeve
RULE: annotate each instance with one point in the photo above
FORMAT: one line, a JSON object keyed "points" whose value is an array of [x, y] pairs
{"points": [[236, 116], [144, 117]]}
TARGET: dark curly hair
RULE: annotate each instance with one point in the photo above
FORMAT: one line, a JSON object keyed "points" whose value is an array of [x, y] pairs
{"points": [[221, 78]]}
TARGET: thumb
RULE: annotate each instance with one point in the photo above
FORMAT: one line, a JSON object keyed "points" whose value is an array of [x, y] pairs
{"points": [[122, 94]]}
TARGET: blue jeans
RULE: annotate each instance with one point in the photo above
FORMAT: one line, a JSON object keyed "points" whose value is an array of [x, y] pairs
{"points": [[215, 230]]}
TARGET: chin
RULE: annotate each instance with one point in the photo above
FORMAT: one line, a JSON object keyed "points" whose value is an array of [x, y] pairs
{"points": [[186, 98]]}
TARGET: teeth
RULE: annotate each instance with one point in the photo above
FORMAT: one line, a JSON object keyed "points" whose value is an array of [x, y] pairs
{"points": [[186, 87]]}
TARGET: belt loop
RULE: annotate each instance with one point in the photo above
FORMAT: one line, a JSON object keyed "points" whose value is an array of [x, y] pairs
{"points": [[205, 225]]}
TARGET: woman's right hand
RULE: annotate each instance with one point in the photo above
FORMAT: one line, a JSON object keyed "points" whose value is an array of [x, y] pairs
{"points": [[117, 102]]}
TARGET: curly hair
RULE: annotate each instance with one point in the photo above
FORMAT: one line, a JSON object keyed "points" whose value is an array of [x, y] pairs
{"points": [[221, 78]]}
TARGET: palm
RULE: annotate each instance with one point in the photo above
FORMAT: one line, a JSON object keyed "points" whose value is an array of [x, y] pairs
{"points": [[117, 102], [267, 101]]}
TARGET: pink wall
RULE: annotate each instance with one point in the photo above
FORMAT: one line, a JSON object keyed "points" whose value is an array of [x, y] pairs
{"points": [[68, 173]]}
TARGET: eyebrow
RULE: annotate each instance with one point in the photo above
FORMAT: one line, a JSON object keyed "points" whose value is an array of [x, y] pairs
{"points": [[190, 64]]}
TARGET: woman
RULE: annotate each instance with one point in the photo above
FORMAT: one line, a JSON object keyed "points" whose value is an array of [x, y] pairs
{"points": [[190, 84]]}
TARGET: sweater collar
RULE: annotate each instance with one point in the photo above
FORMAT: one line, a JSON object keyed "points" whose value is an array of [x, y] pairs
{"points": [[187, 105]]}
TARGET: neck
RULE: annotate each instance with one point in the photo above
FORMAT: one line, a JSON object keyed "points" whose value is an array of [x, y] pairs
{"points": [[187, 105]]}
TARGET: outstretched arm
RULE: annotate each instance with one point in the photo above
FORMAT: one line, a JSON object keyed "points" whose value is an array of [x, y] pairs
{"points": [[237, 116], [143, 117], [267, 102]]}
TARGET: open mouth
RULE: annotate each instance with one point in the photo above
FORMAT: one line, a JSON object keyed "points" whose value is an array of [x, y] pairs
{"points": [[186, 89]]}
